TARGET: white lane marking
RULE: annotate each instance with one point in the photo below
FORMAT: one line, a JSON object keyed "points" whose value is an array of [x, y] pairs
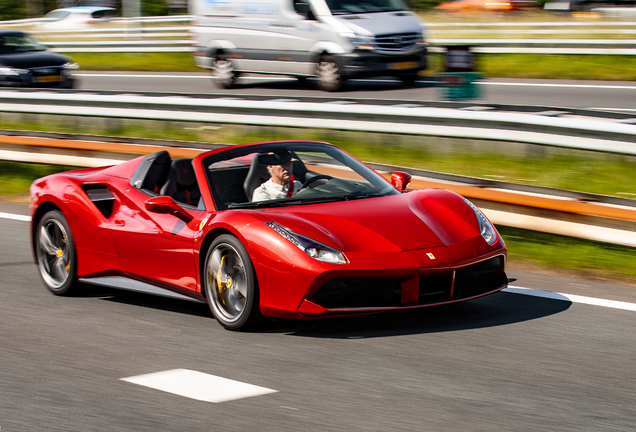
{"points": [[15, 217], [198, 385], [424, 79], [572, 298], [559, 85]]}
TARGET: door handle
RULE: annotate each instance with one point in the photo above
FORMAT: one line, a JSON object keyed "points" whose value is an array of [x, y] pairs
{"points": [[120, 223]]}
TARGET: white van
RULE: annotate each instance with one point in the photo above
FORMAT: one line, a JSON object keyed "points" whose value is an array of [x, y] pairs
{"points": [[332, 40]]}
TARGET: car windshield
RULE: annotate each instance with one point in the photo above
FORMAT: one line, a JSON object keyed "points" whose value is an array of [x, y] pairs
{"points": [[56, 15], [348, 7], [321, 173], [18, 42]]}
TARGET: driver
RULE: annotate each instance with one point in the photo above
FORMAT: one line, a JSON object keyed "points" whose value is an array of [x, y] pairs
{"points": [[281, 183]]}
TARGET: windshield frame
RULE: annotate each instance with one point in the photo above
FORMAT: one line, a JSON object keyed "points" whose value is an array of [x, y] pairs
{"points": [[337, 8], [381, 186]]}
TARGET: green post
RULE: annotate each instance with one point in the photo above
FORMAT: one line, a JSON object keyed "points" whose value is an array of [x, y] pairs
{"points": [[459, 85]]}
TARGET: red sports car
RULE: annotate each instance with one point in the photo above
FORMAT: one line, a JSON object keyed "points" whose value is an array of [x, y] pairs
{"points": [[345, 241]]}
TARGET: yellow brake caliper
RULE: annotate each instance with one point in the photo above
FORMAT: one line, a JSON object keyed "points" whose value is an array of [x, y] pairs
{"points": [[221, 286]]}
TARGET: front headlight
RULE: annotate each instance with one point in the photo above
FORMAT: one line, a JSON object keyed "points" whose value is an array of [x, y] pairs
{"points": [[314, 249], [9, 71], [486, 229], [71, 66], [360, 42]]}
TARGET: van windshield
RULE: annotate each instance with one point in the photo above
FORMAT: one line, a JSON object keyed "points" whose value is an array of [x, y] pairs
{"points": [[348, 7]]}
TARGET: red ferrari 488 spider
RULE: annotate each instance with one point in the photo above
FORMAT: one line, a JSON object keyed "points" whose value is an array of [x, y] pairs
{"points": [[341, 240]]}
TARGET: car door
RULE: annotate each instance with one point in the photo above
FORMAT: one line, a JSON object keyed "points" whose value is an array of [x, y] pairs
{"points": [[155, 247]]}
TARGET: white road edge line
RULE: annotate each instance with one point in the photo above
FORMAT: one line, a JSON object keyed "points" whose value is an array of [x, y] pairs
{"points": [[283, 78], [198, 385], [572, 298], [15, 217]]}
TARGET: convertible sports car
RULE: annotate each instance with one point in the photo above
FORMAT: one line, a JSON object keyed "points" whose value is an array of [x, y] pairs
{"points": [[347, 242]]}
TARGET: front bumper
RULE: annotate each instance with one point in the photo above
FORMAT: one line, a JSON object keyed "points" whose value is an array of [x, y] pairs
{"points": [[50, 77], [362, 63], [379, 281]]}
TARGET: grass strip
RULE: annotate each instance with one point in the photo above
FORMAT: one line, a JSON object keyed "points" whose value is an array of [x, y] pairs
{"points": [[544, 66], [577, 170]]}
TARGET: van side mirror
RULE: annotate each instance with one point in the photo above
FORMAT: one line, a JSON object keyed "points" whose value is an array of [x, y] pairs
{"points": [[400, 180]]}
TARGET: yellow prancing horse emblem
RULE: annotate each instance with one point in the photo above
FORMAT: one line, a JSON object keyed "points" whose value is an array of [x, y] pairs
{"points": [[430, 255]]}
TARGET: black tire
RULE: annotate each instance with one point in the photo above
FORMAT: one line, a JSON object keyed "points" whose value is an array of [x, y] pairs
{"points": [[223, 71], [55, 253], [409, 79], [328, 74], [230, 284]]}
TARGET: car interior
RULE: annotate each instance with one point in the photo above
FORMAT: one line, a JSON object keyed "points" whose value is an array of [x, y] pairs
{"points": [[158, 174]]}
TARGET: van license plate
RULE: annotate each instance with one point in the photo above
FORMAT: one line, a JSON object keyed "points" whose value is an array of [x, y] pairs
{"points": [[403, 65], [47, 78]]}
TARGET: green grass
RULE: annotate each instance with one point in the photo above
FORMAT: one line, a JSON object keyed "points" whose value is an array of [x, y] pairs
{"points": [[548, 66], [570, 256], [585, 171], [16, 177], [144, 62]]}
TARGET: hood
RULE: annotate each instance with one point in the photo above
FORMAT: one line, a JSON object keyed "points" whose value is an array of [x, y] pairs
{"points": [[33, 59], [382, 23], [385, 224]]}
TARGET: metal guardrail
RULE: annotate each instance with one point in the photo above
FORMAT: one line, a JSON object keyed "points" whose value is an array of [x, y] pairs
{"points": [[139, 38], [411, 119], [589, 216]]}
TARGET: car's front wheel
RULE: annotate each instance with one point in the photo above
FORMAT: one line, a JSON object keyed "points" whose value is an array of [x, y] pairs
{"points": [[328, 74], [55, 250], [223, 71], [230, 284]]}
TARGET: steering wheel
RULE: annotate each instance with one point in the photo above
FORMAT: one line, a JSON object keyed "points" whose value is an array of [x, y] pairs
{"points": [[314, 178]]}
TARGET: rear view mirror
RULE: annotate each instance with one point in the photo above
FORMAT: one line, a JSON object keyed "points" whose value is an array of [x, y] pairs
{"points": [[400, 180], [165, 204]]}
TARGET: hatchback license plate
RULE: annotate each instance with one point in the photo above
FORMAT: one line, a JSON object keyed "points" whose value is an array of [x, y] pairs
{"points": [[47, 78], [403, 65]]}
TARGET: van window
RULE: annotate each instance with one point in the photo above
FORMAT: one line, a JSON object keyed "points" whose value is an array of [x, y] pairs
{"points": [[347, 7]]}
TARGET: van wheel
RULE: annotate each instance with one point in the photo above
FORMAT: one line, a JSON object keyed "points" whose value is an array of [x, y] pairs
{"points": [[223, 71], [328, 74]]}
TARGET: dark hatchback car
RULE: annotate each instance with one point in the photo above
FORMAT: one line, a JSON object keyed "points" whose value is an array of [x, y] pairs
{"points": [[24, 62]]}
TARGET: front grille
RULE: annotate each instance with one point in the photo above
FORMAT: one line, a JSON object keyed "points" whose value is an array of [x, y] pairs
{"points": [[470, 281], [435, 288], [358, 293], [400, 41], [46, 71], [479, 278]]}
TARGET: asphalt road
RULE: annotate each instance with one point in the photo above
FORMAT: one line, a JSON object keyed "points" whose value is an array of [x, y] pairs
{"points": [[507, 362], [611, 95]]}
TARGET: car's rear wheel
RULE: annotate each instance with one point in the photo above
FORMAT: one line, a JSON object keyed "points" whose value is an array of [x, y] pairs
{"points": [[223, 71], [55, 250], [328, 74], [230, 284]]}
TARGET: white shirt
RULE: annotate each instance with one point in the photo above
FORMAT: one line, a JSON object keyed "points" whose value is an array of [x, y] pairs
{"points": [[270, 190]]}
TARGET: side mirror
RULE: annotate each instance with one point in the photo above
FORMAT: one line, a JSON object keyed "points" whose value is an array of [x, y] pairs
{"points": [[165, 204], [400, 180]]}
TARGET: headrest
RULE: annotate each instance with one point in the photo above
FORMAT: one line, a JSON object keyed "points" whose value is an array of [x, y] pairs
{"points": [[278, 157], [184, 172]]}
